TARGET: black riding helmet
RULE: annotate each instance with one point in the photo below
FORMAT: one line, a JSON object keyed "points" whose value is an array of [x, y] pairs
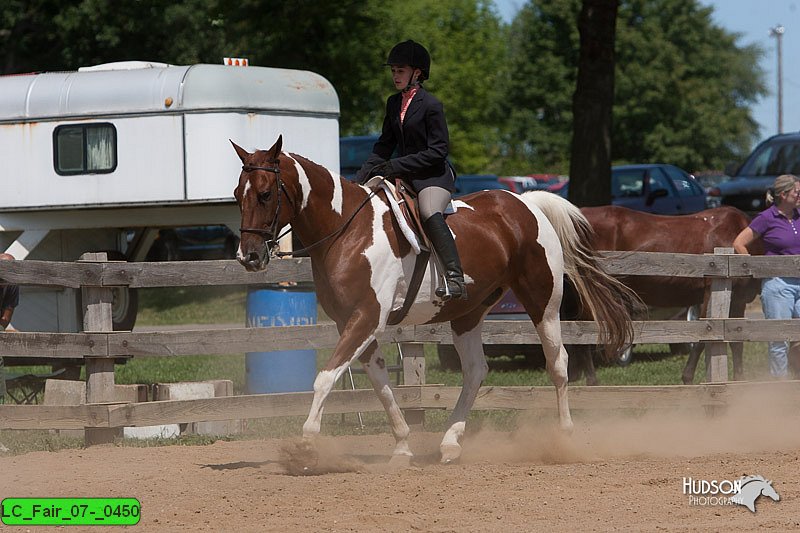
{"points": [[413, 54]]}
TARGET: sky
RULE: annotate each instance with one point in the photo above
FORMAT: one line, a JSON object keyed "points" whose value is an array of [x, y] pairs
{"points": [[752, 20]]}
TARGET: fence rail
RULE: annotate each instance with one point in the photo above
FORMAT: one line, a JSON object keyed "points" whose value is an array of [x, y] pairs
{"points": [[101, 346]]}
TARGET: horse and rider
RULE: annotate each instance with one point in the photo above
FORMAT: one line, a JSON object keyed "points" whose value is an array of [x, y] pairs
{"points": [[364, 263]]}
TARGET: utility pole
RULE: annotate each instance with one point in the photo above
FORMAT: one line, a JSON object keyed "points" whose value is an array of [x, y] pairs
{"points": [[778, 32]]}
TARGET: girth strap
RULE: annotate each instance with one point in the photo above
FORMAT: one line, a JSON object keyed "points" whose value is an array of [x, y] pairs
{"points": [[397, 316]]}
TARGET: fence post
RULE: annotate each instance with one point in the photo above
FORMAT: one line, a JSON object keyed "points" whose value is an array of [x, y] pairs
{"points": [[99, 370], [719, 306], [414, 374]]}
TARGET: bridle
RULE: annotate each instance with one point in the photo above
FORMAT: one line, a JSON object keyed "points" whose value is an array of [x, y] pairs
{"points": [[269, 235]]}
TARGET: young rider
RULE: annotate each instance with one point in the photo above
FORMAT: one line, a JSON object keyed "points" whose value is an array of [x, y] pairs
{"points": [[415, 125]]}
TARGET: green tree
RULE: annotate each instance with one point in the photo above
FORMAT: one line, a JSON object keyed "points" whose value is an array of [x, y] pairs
{"points": [[466, 40], [343, 41], [683, 86], [539, 82], [47, 35]]}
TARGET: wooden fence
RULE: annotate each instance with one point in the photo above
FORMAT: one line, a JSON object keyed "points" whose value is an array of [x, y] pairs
{"points": [[99, 346]]}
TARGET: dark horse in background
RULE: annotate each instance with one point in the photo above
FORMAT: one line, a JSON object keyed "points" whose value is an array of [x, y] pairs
{"points": [[363, 264], [621, 229]]}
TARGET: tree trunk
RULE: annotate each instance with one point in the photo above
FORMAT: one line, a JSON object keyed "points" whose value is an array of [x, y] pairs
{"points": [[592, 105]]}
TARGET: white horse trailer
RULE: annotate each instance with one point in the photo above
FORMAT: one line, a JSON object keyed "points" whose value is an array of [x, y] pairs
{"points": [[99, 159]]}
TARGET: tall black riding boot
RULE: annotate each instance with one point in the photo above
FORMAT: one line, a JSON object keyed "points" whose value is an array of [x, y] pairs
{"points": [[444, 245]]}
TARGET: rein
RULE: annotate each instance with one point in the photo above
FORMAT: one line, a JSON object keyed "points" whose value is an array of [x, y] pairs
{"points": [[269, 235]]}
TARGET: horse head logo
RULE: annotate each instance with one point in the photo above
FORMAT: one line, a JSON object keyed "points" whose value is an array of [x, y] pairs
{"points": [[752, 488]]}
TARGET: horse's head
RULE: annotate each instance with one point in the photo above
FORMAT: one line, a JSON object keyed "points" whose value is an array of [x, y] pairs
{"points": [[264, 202], [768, 490]]}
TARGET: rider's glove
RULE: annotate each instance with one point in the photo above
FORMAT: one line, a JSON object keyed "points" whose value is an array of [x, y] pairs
{"points": [[384, 169]]}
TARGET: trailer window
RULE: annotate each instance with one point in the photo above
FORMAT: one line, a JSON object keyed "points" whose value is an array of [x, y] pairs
{"points": [[85, 149]]}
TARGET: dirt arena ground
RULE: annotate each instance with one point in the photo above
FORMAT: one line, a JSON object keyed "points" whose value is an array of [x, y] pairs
{"points": [[610, 474]]}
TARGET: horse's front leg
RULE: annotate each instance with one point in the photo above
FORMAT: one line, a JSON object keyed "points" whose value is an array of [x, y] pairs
{"points": [[355, 339], [375, 366]]}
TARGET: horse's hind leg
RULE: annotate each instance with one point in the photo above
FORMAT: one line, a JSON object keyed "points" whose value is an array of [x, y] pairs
{"points": [[691, 362], [697, 348], [375, 367], [549, 330], [467, 341], [580, 362]]}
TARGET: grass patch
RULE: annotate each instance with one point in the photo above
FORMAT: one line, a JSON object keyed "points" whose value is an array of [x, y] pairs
{"points": [[169, 306]]}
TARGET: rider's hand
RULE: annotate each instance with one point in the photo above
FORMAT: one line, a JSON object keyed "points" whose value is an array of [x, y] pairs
{"points": [[384, 169]]}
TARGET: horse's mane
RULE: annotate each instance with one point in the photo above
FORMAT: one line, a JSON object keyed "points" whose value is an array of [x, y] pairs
{"points": [[748, 479]]}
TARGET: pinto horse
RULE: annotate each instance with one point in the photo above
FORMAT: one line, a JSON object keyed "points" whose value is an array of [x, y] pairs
{"points": [[622, 229], [363, 265]]}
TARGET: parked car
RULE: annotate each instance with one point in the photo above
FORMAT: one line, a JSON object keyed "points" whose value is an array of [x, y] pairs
{"points": [[709, 180], [747, 188], [653, 188], [468, 183], [194, 243], [531, 182]]}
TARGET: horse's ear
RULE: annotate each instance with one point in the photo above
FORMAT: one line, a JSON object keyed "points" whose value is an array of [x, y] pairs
{"points": [[241, 152], [275, 151]]}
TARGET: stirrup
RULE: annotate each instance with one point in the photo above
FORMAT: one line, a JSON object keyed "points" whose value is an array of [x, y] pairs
{"points": [[445, 292]]}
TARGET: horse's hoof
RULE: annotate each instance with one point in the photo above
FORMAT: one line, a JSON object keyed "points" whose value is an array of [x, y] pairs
{"points": [[450, 453], [300, 458], [400, 461]]}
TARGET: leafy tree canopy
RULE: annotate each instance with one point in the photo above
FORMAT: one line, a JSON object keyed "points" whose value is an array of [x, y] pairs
{"points": [[683, 85]]}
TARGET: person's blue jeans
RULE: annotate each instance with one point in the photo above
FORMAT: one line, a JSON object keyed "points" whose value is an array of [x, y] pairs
{"points": [[780, 299]]}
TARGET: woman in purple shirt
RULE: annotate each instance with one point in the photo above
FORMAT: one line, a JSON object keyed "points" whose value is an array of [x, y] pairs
{"points": [[777, 227]]}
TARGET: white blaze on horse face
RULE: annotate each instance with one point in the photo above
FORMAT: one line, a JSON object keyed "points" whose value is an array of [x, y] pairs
{"points": [[305, 185]]}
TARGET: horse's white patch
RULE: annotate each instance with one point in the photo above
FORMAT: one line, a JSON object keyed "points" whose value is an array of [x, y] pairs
{"points": [[548, 239], [460, 203], [336, 201], [247, 187], [386, 270], [305, 185]]}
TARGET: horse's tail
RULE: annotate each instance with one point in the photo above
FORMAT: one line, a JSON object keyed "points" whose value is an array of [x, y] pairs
{"points": [[610, 302]]}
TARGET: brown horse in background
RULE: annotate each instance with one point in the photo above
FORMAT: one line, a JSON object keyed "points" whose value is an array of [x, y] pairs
{"points": [[363, 266], [621, 229]]}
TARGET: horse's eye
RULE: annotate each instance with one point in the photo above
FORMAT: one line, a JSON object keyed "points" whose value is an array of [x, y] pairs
{"points": [[264, 196]]}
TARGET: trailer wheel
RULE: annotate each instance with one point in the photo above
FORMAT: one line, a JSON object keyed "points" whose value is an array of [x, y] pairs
{"points": [[124, 300], [124, 308]]}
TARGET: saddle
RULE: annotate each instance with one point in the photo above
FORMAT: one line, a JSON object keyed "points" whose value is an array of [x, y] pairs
{"points": [[403, 202]]}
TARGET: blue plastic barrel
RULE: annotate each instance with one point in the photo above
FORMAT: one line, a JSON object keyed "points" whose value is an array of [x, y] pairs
{"points": [[287, 370]]}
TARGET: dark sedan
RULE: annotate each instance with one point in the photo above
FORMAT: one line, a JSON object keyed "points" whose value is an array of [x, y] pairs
{"points": [[747, 188], [654, 188]]}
